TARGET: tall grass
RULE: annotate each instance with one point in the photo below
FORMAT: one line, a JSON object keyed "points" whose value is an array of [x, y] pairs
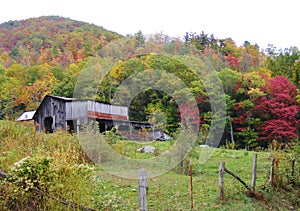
{"points": [[69, 167], [57, 165]]}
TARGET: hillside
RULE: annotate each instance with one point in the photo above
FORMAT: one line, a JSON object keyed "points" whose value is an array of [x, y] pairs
{"points": [[51, 39]]}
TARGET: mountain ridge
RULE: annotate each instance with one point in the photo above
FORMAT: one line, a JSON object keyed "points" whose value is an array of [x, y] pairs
{"points": [[52, 39]]}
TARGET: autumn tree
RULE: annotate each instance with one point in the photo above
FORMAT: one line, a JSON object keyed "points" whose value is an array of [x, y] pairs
{"points": [[278, 111], [247, 92]]}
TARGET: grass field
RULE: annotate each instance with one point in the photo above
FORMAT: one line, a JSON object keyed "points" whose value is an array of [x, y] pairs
{"points": [[72, 176]]}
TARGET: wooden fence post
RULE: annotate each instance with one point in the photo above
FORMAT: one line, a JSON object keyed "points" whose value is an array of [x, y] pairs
{"points": [[254, 172], [142, 191], [272, 172], [191, 185], [221, 180]]}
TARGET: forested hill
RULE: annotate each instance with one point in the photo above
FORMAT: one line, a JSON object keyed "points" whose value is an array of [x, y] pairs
{"points": [[46, 55], [51, 39]]}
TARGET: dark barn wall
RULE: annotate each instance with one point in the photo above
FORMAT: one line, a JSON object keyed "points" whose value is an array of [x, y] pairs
{"points": [[54, 108]]}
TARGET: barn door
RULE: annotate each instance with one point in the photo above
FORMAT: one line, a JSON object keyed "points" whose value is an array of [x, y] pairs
{"points": [[48, 124]]}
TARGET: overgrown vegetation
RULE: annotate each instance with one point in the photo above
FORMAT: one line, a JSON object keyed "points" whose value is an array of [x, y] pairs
{"points": [[55, 165]]}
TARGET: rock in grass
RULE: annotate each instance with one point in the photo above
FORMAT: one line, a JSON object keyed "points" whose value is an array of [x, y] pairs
{"points": [[233, 156], [146, 149]]}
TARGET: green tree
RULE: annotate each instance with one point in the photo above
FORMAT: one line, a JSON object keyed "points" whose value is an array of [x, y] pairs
{"points": [[230, 80], [285, 63]]}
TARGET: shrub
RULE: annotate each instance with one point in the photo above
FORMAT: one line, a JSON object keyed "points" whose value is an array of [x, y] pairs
{"points": [[28, 183]]}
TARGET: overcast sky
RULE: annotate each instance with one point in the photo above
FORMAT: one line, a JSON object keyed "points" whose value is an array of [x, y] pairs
{"points": [[257, 21]]}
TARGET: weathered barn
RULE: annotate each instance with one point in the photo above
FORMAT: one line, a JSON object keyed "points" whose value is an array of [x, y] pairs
{"points": [[70, 114]]}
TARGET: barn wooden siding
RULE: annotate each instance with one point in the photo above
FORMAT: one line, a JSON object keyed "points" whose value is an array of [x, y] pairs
{"points": [[98, 110], [92, 109], [52, 107], [76, 110], [62, 109]]}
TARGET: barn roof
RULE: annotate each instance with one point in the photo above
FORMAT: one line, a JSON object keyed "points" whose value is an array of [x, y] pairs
{"points": [[61, 98], [26, 116], [75, 99]]}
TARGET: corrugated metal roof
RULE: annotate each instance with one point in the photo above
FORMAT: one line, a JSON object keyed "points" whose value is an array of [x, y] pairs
{"points": [[26, 116]]}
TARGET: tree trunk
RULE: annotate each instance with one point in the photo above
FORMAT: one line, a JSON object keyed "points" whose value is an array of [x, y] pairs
{"points": [[231, 131]]}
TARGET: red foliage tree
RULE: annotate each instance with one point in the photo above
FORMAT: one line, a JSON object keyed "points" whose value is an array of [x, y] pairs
{"points": [[278, 111], [233, 61], [189, 114]]}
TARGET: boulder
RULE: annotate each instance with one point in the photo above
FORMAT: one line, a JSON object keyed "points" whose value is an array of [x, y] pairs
{"points": [[146, 149]]}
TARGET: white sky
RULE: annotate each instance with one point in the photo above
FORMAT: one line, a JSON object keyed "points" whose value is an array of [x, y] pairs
{"points": [[257, 21]]}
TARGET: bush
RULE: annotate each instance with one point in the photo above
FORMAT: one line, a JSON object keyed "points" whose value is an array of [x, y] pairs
{"points": [[33, 172], [28, 183], [286, 176]]}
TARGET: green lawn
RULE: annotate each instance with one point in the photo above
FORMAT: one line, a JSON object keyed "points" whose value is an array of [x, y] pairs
{"points": [[171, 191]]}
